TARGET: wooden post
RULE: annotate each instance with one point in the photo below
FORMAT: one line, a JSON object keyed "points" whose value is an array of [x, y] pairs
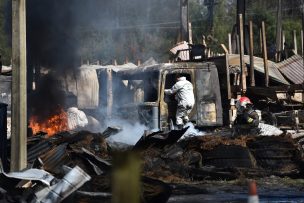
{"points": [[115, 62], [224, 48], [302, 42], [109, 93], [261, 42], [285, 51], [229, 43], [295, 46], [266, 71], [279, 31], [138, 62], [190, 33], [19, 104], [184, 18], [126, 178], [252, 80], [238, 43], [228, 77], [283, 39], [241, 9], [241, 48], [0, 64]]}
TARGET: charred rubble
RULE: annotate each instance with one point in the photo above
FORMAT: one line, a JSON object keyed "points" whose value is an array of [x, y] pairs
{"points": [[165, 158]]}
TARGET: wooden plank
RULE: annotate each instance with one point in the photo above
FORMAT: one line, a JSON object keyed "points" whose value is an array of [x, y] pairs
{"points": [[295, 45], [184, 20], [302, 43], [190, 33], [109, 93], [261, 42], [242, 64], [19, 103], [279, 31], [225, 48], [228, 77], [252, 80], [266, 71], [229, 43]]}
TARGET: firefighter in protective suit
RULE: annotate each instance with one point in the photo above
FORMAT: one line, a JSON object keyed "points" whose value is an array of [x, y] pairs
{"points": [[183, 90], [247, 120]]}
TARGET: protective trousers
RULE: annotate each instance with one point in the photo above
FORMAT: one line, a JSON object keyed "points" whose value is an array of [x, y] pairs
{"points": [[182, 113]]}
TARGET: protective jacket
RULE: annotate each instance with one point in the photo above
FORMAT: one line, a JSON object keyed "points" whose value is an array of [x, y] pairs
{"points": [[248, 119], [183, 90]]}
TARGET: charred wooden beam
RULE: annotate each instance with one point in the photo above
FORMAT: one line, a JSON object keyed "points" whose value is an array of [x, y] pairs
{"points": [[190, 33], [302, 43], [184, 18], [242, 64], [279, 31], [109, 93], [252, 80], [295, 45], [229, 43], [266, 71]]}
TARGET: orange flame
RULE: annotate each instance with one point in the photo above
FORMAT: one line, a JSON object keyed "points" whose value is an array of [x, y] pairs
{"points": [[51, 126]]}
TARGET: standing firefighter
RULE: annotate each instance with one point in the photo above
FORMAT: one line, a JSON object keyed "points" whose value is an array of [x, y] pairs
{"points": [[183, 90], [247, 120]]}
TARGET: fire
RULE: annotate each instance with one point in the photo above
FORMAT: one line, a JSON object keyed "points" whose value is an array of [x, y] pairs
{"points": [[52, 125]]}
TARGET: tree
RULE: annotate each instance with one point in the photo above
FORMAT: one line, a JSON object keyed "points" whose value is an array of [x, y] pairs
{"points": [[5, 46]]}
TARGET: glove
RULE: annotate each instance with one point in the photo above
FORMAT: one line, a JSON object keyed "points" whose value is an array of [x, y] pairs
{"points": [[167, 91]]}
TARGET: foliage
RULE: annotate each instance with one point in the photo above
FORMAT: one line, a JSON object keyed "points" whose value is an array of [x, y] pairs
{"points": [[5, 47], [60, 32]]}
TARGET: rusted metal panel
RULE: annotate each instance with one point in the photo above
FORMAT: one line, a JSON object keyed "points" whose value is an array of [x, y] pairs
{"points": [[274, 73], [208, 104], [293, 69]]}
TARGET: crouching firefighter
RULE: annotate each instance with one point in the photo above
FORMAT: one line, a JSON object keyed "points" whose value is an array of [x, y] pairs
{"points": [[183, 90], [247, 120]]}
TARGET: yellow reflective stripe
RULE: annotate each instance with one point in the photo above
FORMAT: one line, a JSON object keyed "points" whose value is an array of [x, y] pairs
{"points": [[249, 120]]}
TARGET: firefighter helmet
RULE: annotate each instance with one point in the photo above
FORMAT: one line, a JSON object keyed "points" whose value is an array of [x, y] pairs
{"points": [[242, 103]]}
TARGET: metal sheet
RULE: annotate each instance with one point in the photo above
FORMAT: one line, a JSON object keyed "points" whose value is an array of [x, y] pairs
{"points": [[293, 69], [66, 186], [31, 174], [274, 73], [54, 158]]}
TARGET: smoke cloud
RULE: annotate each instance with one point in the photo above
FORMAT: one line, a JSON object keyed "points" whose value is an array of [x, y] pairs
{"points": [[48, 99], [61, 32], [130, 133]]}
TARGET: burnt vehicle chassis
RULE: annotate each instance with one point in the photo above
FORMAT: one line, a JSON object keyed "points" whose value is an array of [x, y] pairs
{"points": [[138, 94]]}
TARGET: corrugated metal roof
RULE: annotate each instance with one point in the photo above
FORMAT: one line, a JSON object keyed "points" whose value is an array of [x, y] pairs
{"points": [[38, 149], [54, 158], [274, 73], [293, 69]]}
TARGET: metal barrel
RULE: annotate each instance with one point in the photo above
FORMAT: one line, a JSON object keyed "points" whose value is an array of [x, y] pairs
{"points": [[3, 136]]}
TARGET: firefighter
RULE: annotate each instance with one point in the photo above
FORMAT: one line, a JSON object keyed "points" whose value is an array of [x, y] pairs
{"points": [[247, 120], [183, 91]]}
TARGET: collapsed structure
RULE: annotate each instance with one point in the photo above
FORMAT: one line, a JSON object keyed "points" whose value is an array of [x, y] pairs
{"points": [[136, 94]]}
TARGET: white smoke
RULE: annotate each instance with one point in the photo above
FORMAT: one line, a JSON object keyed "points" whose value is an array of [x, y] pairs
{"points": [[191, 132], [130, 133]]}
